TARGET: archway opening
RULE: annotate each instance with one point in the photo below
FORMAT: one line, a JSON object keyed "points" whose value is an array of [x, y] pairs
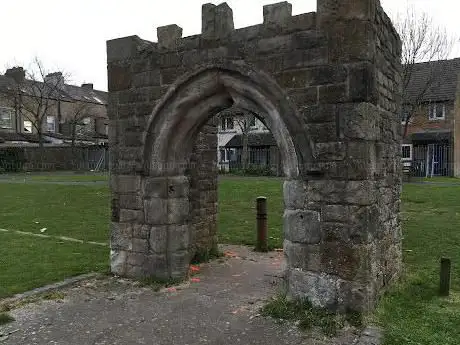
{"points": [[180, 183]]}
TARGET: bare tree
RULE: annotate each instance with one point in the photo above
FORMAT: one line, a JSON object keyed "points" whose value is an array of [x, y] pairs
{"points": [[422, 41], [80, 111], [245, 121], [36, 96]]}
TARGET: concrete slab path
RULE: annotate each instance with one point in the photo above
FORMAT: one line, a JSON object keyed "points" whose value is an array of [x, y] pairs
{"points": [[221, 308]]}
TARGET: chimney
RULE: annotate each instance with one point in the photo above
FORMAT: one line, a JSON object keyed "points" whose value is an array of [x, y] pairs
{"points": [[16, 73], [87, 86], [55, 78]]}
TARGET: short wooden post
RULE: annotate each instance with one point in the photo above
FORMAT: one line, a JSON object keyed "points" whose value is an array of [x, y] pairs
{"points": [[262, 243], [444, 285]]}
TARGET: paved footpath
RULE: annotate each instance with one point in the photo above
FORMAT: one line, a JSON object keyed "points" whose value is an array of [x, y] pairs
{"points": [[221, 308]]}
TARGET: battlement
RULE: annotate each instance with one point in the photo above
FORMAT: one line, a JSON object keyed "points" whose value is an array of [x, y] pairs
{"points": [[218, 25]]}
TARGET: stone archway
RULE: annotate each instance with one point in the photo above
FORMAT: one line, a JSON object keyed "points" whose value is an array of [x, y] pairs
{"points": [[172, 131], [326, 85]]}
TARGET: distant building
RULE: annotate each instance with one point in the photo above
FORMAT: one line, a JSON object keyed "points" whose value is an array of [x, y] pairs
{"points": [[230, 126], [432, 144], [76, 112]]}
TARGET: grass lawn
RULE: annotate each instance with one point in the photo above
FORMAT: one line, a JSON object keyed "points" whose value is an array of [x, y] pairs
{"points": [[237, 209], [30, 262], [410, 313], [80, 212]]}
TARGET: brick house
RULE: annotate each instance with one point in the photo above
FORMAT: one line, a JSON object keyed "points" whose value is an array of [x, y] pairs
{"points": [[431, 145], [77, 112]]}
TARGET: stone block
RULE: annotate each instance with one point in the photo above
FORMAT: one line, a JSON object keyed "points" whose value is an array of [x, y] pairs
{"points": [[331, 151], [168, 36], [217, 21], [141, 231], [302, 226], [170, 75], [140, 245], [302, 58], [118, 260], [277, 15], [137, 260], [127, 183], [337, 93], [178, 210], [179, 237], [319, 288], [156, 266], [347, 261], [357, 297], [330, 11], [148, 78], [351, 41], [121, 235], [155, 187], [361, 82], [178, 187], [358, 121], [322, 132], [156, 211], [119, 77], [304, 97], [319, 113], [303, 256], [302, 22], [131, 216], [179, 264], [130, 201], [158, 239], [123, 48], [294, 194]]}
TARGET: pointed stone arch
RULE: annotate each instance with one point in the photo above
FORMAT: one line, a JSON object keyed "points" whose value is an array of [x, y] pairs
{"points": [[199, 95]]}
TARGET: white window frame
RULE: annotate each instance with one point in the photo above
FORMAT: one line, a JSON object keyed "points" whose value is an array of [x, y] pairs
{"points": [[48, 123], [411, 150], [224, 121], [432, 111], [27, 124], [11, 113]]}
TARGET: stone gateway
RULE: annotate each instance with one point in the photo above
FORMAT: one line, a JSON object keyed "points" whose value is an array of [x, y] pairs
{"points": [[327, 86]]}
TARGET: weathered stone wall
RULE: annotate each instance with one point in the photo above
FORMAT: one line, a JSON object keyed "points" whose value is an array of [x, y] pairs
{"points": [[203, 191], [315, 80]]}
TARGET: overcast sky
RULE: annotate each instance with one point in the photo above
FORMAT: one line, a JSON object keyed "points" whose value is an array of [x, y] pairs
{"points": [[71, 35]]}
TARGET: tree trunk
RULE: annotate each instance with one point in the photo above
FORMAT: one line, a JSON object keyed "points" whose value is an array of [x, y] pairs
{"points": [[244, 155], [41, 149], [74, 134]]}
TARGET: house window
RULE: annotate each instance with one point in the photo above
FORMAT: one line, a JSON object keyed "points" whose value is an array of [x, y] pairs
{"points": [[406, 152], [437, 111], [27, 126], [51, 124], [252, 121], [6, 118], [226, 123]]}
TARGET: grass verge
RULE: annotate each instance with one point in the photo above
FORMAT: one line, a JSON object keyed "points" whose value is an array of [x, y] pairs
{"points": [[306, 317], [27, 263], [5, 318]]}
